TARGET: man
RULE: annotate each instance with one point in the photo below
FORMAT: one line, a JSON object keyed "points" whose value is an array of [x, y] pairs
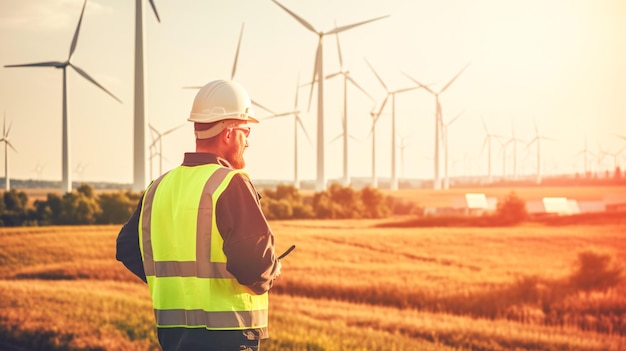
{"points": [[199, 238]]}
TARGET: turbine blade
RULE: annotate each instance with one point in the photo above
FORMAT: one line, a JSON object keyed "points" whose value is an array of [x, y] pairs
{"points": [[484, 125], [86, 76], [299, 120], [360, 88], [10, 145], [339, 49], [453, 79], [282, 114], [153, 129], [455, 118], [255, 103], [377, 76], [318, 61], [335, 138], [419, 84], [382, 106], [354, 138], [350, 26], [155, 10], [56, 64], [298, 18], [295, 103], [482, 148], [371, 129], [333, 75], [173, 129], [6, 134], [75, 39], [405, 89], [232, 75]]}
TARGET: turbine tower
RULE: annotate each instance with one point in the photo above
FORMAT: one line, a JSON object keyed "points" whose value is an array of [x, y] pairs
{"points": [[297, 121], [537, 139], [318, 75], [446, 182], [487, 143], [514, 140], [586, 153], [438, 122], [66, 181], [375, 116], [392, 93], [7, 145], [139, 146], [346, 78], [403, 146]]}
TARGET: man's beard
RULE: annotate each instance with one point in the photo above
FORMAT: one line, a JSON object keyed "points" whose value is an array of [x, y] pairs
{"points": [[235, 157]]}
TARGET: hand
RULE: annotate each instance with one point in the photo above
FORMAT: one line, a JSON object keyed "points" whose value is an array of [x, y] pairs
{"points": [[277, 271]]}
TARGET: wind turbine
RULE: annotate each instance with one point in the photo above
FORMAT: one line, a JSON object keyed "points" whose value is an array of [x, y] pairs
{"points": [[66, 182], [7, 145], [297, 121], [392, 93], [318, 75], [503, 146], [80, 169], [159, 141], [514, 140], [139, 152], [616, 155], [487, 143], [39, 170], [446, 182], [537, 139], [375, 116], [346, 78], [403, 146], [586, 153], [438, 121]]}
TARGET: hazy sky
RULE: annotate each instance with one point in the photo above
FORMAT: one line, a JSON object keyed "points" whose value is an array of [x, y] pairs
{"points": [[559, 62]]}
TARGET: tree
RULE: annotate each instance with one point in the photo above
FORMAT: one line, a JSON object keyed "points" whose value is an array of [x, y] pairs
{"points": [[116, 208], [13, 210], [596, 271], [374, 203], [512, 210]]}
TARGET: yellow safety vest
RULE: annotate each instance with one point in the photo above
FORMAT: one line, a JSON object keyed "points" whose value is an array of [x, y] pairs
{"points": [[183, 258]]}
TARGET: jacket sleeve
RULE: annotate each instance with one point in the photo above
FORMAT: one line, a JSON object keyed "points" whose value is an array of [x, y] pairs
{"points": [[127, 245], [248, 239]]}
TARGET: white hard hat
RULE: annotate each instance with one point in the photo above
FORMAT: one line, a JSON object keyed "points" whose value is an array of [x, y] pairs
{"points": [[219, 100]]}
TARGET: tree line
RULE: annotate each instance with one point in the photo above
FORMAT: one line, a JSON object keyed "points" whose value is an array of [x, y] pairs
{"points": [[84, 206]]}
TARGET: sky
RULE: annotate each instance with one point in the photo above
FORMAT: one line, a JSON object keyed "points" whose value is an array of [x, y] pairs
{"points": [[556, 64]]}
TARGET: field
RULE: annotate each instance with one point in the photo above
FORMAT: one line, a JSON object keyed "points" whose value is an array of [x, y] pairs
{"points": [[349, 285]]}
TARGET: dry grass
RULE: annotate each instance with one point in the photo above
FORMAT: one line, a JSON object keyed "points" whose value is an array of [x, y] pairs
{"points": [[347, 286]]}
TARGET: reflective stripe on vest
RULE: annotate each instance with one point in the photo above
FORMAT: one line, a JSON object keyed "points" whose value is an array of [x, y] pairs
{"points": [[187, 277]]}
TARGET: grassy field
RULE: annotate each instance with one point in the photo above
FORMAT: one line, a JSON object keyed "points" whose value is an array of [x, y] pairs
{"points": [[348, 286]]}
